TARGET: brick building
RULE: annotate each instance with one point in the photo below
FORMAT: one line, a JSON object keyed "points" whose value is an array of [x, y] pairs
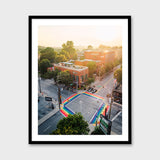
{"points": [[78, 73], [102, 56], [86, 61]]}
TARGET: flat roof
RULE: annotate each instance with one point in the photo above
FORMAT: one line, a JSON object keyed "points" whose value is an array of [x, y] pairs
{"points": [[73, 67], [66, 62], [88, 60]]}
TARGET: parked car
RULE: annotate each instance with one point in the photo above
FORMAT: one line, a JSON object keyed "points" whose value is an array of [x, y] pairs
{"points": [[94, 91], [90, 89]]}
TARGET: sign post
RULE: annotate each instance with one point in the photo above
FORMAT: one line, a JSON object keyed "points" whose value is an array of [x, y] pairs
{"points": [[105, 125]]}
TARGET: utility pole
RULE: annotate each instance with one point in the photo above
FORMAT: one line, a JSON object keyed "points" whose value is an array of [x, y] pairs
{"points": [[39, 84], [110, 103], [96, 121], [59, 96]]}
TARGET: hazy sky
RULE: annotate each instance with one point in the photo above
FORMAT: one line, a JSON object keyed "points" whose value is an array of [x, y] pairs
{"points": [[55, 36]]}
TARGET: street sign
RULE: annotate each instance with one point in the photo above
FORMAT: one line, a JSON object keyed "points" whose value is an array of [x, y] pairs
{"points": [[48, 98], [105, 125]]}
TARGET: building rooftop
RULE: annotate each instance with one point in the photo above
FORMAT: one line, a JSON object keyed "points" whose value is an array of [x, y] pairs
{"points": [[94, 50], [88, 60], [71, 66]]}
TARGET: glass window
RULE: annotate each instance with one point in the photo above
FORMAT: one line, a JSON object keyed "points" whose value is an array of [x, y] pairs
{"points": [[77, 78], [86, 76]]}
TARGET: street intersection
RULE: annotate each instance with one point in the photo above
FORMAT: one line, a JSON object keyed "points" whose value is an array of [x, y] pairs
{"points": [[88, 106]]}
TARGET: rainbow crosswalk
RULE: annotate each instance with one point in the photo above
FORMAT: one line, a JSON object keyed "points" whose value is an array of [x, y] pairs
{"points": [[93, 95], [66, 111], [101, 110]]}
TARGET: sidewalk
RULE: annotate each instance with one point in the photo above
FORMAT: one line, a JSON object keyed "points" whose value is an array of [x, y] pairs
{"points": [[50, 114]]}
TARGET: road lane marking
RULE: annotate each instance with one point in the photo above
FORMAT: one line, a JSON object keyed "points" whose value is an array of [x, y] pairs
{"points": [[105, 84], [116, 116], [46, 128]]}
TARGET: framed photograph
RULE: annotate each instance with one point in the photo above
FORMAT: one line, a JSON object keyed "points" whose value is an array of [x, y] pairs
{"points": [[79, 79]]}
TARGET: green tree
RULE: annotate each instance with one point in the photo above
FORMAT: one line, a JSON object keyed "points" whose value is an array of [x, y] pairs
{"points": [[69, 51], [40, 48], [61, 58], [92, 68], [104, 47], [118, 74], [72, 125], [97, 131], [90, 47], [48, 75], [44, 64], [48, 53], [109, 67], [64, 77], [90, 80], [65, 53], [55, 73]]}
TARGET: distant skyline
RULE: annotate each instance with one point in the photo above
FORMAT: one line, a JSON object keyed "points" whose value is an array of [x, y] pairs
{"points": [[55, 36]]}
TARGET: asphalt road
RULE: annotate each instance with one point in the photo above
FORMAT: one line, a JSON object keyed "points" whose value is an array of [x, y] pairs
{"points": [[50, 89], [116, 116], [50, 124], [104, 87], [87, 105]]}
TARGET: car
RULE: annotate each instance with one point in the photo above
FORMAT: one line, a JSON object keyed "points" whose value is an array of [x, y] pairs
{"points": [[94, 91], [89, 89]]}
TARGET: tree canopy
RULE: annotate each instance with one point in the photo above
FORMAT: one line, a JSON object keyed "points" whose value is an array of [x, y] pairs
{"points": [[48, 53], [64, 77], [72, 125], [92, 68], [61, 58], [90, 80], [90, 47], [55, 73], [44, 64], [69, 51], [109, 66], [97, 131], [118, 74]]}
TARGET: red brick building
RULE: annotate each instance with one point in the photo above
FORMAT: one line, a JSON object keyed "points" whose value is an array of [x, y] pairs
{"points": [[78, 73], [103, 56], [86, 61]]}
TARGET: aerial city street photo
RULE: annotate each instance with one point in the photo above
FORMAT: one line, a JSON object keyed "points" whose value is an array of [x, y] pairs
{"points": [[79, 79]]}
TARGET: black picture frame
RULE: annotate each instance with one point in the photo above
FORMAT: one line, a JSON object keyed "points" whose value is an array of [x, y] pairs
{"points": [[33, 17]]}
